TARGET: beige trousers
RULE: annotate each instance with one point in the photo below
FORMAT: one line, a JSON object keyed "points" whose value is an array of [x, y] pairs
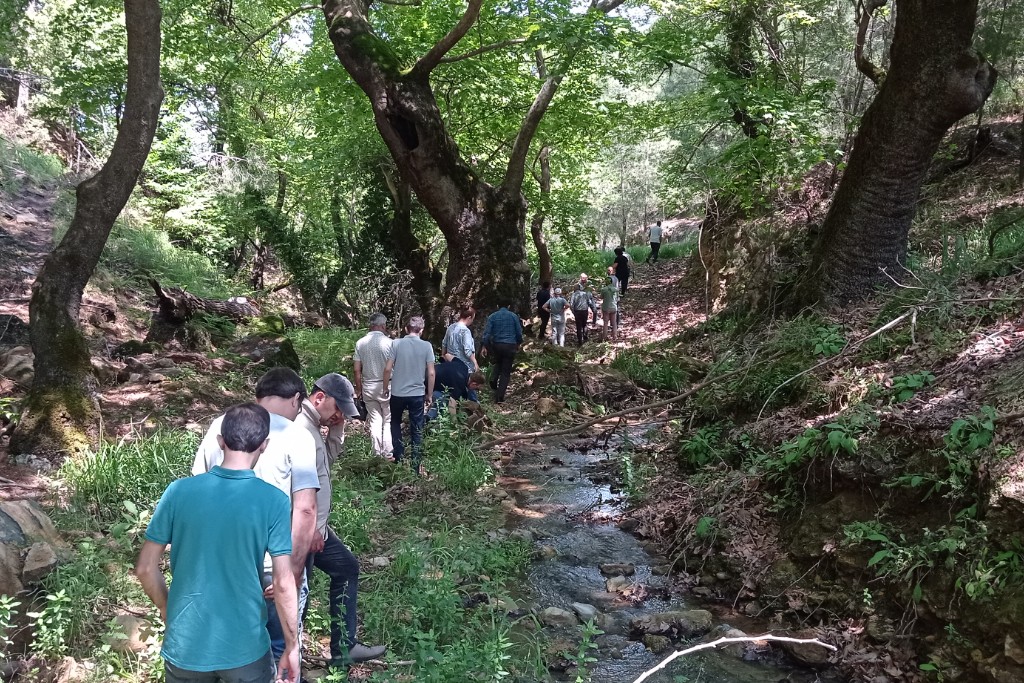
{"points": [[378, 416]]}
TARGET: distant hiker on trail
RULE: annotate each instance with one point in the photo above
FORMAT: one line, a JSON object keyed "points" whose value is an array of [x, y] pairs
{"points": [[220, 525], [329, 404], [288, 464], [609, 309], [557, 306], [371, 355], [503, 334], [655, 232], [615, 280], [543, 294], [452, 383], [411, 373], [585, 286], [621, 269], [580, 304]]}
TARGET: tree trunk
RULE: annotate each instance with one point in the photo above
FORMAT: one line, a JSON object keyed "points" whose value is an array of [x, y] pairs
{"points": [[60, 411], [175, 307], [935, 79], [537, 224], [411, 255]]}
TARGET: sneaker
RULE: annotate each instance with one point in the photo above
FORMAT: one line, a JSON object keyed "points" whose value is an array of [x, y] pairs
{"points": [[364, 653]]}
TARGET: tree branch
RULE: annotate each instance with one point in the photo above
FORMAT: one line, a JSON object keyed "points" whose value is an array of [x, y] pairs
{"points": [[721, 641], [865, 12], [278, 24], [481, 50], [429, 61]]}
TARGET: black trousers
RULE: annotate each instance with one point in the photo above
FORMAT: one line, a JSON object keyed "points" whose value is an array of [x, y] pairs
{"points": [[581, 325], [504, 356], [623, 281], [544, 318], [655, 247]]}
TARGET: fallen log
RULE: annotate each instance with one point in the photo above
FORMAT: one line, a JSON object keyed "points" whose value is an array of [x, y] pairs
{"points": [[175, 307]]}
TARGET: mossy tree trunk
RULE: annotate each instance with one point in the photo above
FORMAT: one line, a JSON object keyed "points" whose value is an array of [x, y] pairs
{"points": [[935, 79], [483, 224], [60, 413]]}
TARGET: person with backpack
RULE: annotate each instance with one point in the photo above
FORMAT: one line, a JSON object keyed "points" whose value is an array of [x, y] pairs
{"points": [[556, 307], [580, 304]]}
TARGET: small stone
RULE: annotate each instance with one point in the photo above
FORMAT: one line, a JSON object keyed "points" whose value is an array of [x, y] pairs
{"points": [[629, 525], [40, 561], [584, 611], [807, 654], [547, 552], [722, 576], [680, 623], [662, 570], [129, 633], [546, 407], [380, 563], [556, 616], [657, 644], [617, 583], [522, 534], [702, 592], [156, 378], [752, 608], [617, 569]]}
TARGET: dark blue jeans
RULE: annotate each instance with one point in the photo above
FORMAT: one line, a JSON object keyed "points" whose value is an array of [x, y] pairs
{"points": [[260, 671], [274, 627], [338, 562], [413, 404]]}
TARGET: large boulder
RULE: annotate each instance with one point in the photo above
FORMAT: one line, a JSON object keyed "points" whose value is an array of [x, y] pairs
{"points": [[272, 350], [604, 385], [28, 545], [16, 363]]}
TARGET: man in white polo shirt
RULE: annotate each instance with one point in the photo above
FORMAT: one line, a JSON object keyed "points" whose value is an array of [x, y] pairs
{"points": [[371, 355], [288, 464], [655, 242]]}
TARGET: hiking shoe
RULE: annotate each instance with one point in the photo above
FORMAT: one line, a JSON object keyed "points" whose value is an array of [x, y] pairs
{"points": [[364, 653]]}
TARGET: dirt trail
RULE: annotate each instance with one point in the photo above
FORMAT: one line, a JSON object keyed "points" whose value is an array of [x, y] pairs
{"points": [[26, 237], [660, 301]]}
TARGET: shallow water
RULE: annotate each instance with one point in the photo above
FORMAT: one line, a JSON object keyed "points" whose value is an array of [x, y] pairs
{"points": [[558, 499]]}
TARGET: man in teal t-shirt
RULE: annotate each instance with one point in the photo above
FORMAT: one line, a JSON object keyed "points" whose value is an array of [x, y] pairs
{"points": [[219, 526]]}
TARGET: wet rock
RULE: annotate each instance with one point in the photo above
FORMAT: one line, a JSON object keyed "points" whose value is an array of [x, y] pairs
{"points": [[702, 592], [629, 525], [556, 616], [657, 644], [736, 650], [617, 583], [617, 569], [523, 534], [722, 576], [679, 623], [380, 563], [505, 604], [662, 570], [752, 608], [129, 633], [613, 623], [584, 611], [612, 646], [546, 552], [547, 407], [40, 561], [807, 654]]}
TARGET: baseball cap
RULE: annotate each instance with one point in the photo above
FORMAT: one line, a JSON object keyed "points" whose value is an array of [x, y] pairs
{"points": [[340, 389]]}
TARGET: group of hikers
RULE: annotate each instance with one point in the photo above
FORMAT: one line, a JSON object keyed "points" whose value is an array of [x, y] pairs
{"points": [[248, 528]]}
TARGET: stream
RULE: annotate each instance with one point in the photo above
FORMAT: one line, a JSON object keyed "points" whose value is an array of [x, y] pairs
{"points": [[559, 506]]}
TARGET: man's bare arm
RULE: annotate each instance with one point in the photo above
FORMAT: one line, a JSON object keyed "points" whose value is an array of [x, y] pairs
{"points": [[358, 369], [287, 605], [303, 529], [147, 568]]}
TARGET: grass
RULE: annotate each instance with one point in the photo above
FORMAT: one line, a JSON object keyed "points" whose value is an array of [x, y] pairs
{"points": [[140, 251], [325, 350], [19, 163]]}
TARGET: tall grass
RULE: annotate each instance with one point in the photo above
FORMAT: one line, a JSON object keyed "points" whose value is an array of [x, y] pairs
{"points": [[570, 265], [138, 250], [324, 351], [19, 164], [136, 469]]}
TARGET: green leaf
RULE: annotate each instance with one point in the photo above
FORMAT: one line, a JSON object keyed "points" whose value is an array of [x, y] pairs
{"points": [[917, 594], [878, 557]]}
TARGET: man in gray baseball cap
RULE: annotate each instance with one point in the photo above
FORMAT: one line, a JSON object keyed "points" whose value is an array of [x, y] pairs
{"points": [[340, 389]]}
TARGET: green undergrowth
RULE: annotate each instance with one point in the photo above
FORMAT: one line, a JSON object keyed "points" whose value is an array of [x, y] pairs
{"points": [[440, 602], [325, 350], [21, 165], [569, 264]]}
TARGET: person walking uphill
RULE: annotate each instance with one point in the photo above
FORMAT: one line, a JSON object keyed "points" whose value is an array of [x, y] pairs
{"points": [[621, 264], [543, 295], [655, 243], [503, 334], [609, 309], [458, 342], [411, 374], [288, 464], [580, 304], [220, 525], [371, 355], [329, 404], [557, 306]]}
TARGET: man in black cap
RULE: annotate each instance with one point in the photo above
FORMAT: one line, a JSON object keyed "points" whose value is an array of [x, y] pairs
{"points": [[329, 404]]}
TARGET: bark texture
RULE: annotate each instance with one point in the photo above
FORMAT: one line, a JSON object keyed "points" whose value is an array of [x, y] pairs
{"points": [[60, 412], [935, 79], [537, 223]]}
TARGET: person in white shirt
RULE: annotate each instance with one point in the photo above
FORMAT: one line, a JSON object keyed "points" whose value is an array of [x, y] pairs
{"points": [[372, 353], [655, 231]]}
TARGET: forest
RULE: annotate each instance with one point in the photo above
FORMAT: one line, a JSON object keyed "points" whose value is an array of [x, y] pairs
{"points": [[805, 438]]}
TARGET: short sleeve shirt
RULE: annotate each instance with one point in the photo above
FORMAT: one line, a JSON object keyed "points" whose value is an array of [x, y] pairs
{"points": [[656, 233], [557, 306], [609, 294], [412, 355], [309, 420], [219, 526], [373, 351]]}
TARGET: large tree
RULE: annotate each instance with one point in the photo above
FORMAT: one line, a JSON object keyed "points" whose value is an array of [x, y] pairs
{"points": [[935, 79], [483, 223], [60, 411]]}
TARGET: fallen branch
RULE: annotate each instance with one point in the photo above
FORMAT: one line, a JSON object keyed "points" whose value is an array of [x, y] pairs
{"points": [[746, 639], [611, 416]]}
